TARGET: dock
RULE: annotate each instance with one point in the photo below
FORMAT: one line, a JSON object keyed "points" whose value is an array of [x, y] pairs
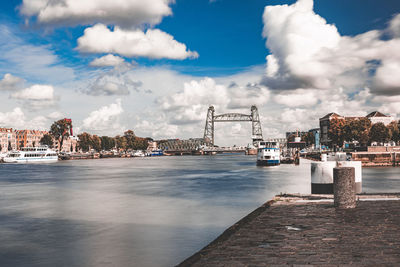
{"points": [[308, 230]]}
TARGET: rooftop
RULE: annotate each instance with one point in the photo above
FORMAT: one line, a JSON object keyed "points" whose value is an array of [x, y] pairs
{"points": [[293, 229], [376, 114]]}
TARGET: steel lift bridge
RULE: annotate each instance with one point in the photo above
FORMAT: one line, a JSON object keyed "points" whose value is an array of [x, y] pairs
{"points": [[232, 117]]}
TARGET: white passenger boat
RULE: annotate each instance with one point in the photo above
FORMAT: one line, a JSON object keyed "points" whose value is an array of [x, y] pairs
{"points": [[40, 154], [268, 154]]}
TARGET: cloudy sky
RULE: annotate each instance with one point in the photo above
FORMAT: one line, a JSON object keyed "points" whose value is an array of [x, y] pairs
{"points": [[155, 66]]}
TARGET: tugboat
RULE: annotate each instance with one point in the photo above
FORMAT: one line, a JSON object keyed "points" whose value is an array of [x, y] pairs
{"points": [[268, 154]]}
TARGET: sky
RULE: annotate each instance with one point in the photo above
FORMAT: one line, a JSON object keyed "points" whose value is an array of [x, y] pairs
{"points": [[155, 66]]}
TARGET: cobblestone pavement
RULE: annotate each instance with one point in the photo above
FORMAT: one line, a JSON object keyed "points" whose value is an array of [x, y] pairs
{"points": [[300, 231]]}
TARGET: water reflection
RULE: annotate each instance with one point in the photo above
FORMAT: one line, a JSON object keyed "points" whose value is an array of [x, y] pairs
{"points": [[136, 212]]}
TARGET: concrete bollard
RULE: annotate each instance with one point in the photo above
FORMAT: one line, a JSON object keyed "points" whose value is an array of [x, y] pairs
{"points": [[357, 170], [344, 188], [324, 157], [322, 177]]}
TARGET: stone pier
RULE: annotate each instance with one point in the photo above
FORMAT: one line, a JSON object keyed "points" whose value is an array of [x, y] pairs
{"points": [[309, 230]]}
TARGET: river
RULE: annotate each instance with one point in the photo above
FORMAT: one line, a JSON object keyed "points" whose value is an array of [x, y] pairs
{"points": [[138, 211]]}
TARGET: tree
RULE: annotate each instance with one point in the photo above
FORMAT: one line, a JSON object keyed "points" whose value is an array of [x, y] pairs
{"points": [[357, 130], [394, 131], [60, 130], [363, 126], [140, 143], [85, 141], [47, 140], [379, 133], [309, 138], [95, 142], [9, 146], [121, 142], [107, 143], [130, 139], [336, 131]]}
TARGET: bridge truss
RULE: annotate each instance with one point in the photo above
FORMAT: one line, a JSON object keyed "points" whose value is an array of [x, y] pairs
{"points": [[232, 117]]}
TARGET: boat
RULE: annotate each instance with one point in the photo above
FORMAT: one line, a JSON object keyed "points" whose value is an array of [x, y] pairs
{"points": [[138, 153], [41, 154], [268, 153], [157, 152]]}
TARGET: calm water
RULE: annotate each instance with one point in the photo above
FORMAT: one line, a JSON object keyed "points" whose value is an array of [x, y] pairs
{"points": [[138, 212]]}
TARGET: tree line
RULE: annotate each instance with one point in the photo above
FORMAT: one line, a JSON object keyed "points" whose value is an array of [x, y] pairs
{"points": [[60, 131], [362, 131]]}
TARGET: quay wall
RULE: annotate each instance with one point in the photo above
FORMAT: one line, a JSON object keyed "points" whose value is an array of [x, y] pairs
{"points": [[377, 159], [383, 149]]}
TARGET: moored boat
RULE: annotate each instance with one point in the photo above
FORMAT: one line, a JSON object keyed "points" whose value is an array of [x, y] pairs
{"points": [[41, 154], [268, 154]]}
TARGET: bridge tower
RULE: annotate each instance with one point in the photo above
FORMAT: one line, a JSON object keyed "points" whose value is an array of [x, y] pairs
{"points": [[209, 128], [256, 125], [254, 117]]}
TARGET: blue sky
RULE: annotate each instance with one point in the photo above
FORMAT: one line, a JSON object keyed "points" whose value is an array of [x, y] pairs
{"points": [[227, 34], [229, 38]]}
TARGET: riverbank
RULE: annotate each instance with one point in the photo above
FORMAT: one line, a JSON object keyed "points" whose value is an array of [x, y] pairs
{"points": [[295, 229]]}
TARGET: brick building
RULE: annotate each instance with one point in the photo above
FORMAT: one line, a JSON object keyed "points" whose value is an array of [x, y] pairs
{"points": [[324, 122], [7, 139], [28, 138]]}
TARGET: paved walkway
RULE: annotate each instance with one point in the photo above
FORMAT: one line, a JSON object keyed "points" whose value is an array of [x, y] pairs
{"points": [[308, 230]]}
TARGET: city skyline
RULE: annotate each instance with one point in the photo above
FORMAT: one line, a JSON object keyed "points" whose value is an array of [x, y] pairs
{"points": [[155, 68]]}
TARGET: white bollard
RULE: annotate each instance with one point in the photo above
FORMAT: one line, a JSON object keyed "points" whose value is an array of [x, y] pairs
{"points": [[322, 177], [358, 172], [324, 157]]}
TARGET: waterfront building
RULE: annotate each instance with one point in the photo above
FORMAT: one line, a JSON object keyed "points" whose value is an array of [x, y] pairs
{"points": [[69, 144], [324, 122], [7, 140], [152, 146], [296, 133], [28, 138], [376, 117], [279, 140], [316, 133]]}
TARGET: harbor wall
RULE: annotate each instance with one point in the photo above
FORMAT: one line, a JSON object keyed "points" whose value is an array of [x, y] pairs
{"points": [[377, 159], [383, 149]]}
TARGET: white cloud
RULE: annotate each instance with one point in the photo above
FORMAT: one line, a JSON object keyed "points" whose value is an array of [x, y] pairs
{"points": [[126, 13], [14, 118], [107, 61], [114, 82], [55, 115], [10, 82], [153, 43], [307, 52], [394, 26], [158, 129], [387, 78], [191, 104], [105, 120], [36, 96], [35, 92], [297, 98], [246, 96], [17, 119]]}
